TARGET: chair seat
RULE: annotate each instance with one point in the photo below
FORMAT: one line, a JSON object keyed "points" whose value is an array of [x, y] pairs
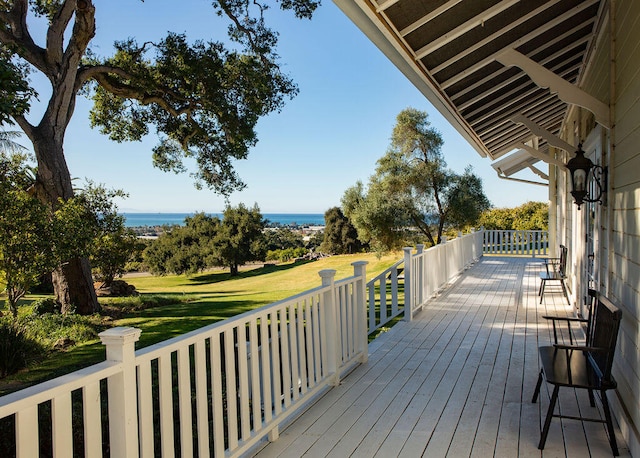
{"points": [[552, 276], [564, 367]]}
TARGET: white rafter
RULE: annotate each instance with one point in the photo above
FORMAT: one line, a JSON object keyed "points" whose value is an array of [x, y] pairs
{"points": [[464, 28], [429, 17], [530, 36], [493, 36]]}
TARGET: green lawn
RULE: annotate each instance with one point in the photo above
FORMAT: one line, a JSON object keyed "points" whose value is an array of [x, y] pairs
{"points": [[199, 300]]}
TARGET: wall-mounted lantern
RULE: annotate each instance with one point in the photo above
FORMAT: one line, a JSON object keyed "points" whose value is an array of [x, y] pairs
{"points": [[582, 170]]}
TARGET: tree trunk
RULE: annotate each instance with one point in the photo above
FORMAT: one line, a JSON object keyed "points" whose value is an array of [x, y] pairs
{"points": [[234, 270], [73, 287], [72, 282]]}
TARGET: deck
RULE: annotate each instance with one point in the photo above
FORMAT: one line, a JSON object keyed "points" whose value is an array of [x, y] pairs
{"points": [[456, 381]]}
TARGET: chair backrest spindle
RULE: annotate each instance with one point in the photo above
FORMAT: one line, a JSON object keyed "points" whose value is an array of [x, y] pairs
{"points": [[604, 336]]}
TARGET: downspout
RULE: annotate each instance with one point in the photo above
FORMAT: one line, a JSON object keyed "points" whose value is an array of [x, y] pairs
{"points": [[612, 144]]}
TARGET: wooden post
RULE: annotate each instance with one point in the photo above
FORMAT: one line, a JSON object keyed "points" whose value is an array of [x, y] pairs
{"points": [[408, 305], [418, 276], [332, 329], [360, 270], [123, 402]]}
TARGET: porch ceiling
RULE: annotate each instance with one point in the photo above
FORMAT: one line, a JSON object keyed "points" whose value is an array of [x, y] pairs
{"points": [[452, 51]]}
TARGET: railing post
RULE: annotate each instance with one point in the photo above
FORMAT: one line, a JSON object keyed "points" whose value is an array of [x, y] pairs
{"points": [[418, 276], [122, 391], [360, 270], [331, 326], [444, 261], [408, 302], [460, 247]]}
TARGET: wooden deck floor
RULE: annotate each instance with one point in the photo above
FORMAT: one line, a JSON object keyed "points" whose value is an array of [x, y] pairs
{"points": [[456, 381]]}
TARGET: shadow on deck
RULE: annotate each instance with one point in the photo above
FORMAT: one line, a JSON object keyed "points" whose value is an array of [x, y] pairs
{"points": [[456, 381]]}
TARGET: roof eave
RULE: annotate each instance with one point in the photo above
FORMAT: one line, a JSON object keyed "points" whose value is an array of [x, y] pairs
{"points": [[371, 25]]}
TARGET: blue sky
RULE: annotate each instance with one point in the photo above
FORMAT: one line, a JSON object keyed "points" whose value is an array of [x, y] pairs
{"points": [[321, 143]]}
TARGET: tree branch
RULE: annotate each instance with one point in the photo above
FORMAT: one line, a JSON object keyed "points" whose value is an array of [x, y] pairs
{"points": [[25, 125], [100, 75], [84, 30], [55, 33], [424, 228], [18, 35]]}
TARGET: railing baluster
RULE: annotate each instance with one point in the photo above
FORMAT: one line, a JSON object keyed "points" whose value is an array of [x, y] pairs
{"points": [[300, 343], [243, 383], [265, 369], [184, 400], [285, 355], [216, 395], [92, 419], [166, 405], [145, 408], [202, 411], [27, 432], [61, 425]]}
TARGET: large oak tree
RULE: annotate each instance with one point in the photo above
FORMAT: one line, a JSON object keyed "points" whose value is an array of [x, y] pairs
{"points": [[202, 98]]}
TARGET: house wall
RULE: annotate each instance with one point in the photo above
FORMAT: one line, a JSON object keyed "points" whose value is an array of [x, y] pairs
{"points": [[619, 221]]}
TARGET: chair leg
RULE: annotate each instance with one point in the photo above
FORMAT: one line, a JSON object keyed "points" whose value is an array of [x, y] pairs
{"points": [[592, 400], [537, 390], [607, 416], [564, 290], [542, 290], [547, 421]]}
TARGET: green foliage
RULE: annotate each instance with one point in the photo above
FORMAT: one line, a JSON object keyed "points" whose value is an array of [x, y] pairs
{"points": [[15, 93], [25, 233], [340, 236], [528, 216], [282, 238], [45, 305], [286, 255], [203, 98], [183, 249], [205, 241], [412, 190], [47, 329], [17, 350], [239, 239]]}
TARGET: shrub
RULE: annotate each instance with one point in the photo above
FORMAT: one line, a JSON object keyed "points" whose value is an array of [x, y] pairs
{"points": [[51, 327], [16, 349], [45, 305]]}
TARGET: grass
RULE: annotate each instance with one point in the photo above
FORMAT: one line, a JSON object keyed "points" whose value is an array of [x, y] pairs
{"points": [[175, 304]]}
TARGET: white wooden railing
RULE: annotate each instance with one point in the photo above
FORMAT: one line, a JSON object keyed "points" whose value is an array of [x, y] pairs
{"points": [[524, 243], [429, 271], [221, 389], [215, 391]]}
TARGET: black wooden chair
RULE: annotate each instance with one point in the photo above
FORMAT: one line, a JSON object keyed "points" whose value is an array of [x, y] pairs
{"points": [[556, 271], [583, 366]]}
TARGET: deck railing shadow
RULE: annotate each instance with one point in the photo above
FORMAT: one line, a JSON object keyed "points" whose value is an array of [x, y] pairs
{"points": [[222, 389]]}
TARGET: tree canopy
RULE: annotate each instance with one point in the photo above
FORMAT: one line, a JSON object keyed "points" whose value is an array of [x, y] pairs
{"points": [[207, 241], [530, 216], [413, 190], [340, 236], [202, 98]]}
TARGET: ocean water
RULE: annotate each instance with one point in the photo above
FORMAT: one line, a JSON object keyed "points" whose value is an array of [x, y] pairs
{"points": [[159, 219]]}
